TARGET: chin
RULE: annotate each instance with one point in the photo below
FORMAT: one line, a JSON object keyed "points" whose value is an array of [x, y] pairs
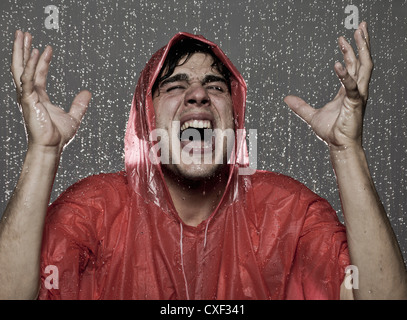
{"points": [[195, 172]]}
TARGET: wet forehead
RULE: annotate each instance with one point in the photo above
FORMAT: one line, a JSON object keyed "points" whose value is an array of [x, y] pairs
{"points": [[197, 67]]}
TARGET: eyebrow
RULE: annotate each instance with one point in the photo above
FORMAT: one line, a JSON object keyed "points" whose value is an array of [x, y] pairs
{"points": [[212, 78], [184, 77], [175, 78]]}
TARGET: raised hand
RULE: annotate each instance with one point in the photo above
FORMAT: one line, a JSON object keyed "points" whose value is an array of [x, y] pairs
{"points": [[46, 124], [339, 123]]}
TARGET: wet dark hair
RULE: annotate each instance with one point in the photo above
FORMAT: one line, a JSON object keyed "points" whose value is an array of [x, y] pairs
{"points": [[186, 48]]}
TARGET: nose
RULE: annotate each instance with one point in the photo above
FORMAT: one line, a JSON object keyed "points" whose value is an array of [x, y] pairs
{"points": [[197, 96]]}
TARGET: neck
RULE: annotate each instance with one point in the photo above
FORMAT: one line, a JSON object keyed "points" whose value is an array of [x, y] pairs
{"points": [[195, 200]]}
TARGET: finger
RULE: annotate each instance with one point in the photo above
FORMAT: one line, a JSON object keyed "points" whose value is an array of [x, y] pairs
{"points": [[27, 47], [351, 62], [27, 78], [41, 72], [365, 60], [80, 105], [348, 82], [300, 107], [363, 26], [17, 66], [341, 93]]}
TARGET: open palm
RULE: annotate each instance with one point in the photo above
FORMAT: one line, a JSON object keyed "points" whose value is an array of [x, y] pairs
{"points": [[339, 123], [47, 125]]}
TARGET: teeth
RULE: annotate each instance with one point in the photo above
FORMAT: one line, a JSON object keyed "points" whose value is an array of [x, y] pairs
{"points": [[203, 124]]}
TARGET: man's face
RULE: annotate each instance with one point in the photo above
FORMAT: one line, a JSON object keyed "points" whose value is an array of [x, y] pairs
{"points": [[192, 100]]}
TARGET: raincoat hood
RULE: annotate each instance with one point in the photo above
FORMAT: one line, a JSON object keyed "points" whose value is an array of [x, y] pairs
{"points": [[144, 176]]}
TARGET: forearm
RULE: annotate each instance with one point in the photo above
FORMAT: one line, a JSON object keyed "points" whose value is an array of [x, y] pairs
{"points": [[372, 244], [21, 226]]}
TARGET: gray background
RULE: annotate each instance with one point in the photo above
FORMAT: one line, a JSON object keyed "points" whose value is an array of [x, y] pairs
{"points": [[280, 47]]}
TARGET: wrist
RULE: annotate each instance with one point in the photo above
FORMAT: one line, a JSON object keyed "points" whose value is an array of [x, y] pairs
{"points": [[44, 151], [44, 157], [349, 161], [341, 153]]}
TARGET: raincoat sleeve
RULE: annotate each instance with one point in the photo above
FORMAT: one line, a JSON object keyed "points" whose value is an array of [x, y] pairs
{"points": [[73, 240], [322, 255]]}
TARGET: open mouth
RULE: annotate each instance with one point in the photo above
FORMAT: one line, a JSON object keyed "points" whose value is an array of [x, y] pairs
{"points": [[197, 135], [195, 130]]}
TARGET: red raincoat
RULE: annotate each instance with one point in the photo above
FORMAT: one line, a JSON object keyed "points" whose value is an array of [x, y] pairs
{"points": [[118, 236]]}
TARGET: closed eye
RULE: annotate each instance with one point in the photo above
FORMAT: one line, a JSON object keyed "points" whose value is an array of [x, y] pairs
{"points": [[171, 88], [215, 82], [215, 87]]}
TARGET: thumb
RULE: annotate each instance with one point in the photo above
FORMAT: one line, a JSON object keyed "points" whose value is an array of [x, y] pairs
{"points": [[80, 104], [300, 107]]}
